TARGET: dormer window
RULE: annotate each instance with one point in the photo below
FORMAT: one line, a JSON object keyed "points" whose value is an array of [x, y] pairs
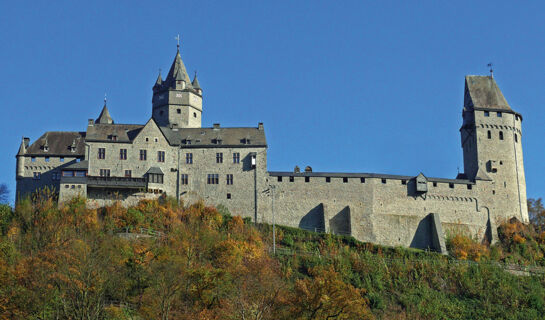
{"points": [[186, 141], [245, 141], [217, 141], [113, 137], [46, 148]]}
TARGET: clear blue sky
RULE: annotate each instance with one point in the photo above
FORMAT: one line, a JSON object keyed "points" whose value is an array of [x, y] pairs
{"points": [[348, 86]]}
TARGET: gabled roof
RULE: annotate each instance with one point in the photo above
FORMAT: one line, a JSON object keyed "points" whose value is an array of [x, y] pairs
{"points": [[208, 137], [482, 92], [177, 71], [104, 116], [59, 143], [106, 132], [155, 170]]}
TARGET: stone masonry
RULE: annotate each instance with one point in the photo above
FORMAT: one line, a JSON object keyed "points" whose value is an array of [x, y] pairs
{"points": [[172, 154]]}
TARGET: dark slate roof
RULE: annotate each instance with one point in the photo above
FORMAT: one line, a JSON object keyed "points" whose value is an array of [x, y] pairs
{"points": [[105, 132], [177, 71], [22, 148], [362, 175], [104, 117], [482, 92], [208, 137], [82, 165], [155, 170], [59, 143]]}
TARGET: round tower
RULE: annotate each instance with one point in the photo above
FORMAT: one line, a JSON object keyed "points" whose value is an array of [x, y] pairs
{"points": [[20, 168], [492, 143]]}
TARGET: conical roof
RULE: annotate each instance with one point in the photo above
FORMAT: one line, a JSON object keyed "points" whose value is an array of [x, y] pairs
{"points": [[482, 92], [177, 71], [159, 80], [195, 82], [104, 116], [22, 148]]}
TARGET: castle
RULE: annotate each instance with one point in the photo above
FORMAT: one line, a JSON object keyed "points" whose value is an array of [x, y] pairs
{"points": [[172, 154]]}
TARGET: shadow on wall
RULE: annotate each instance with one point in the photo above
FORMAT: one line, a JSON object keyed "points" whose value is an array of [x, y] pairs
{"points": [[314, 219], [340, 223], [429, 234]]}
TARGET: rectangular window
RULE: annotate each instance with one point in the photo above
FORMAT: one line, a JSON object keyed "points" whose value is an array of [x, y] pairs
{"points": [[236, 157], [487, 114], [122, 154], [46, 159], [469, 187], [37, 175], [184, 179], [104, 172], [160, 156], [327, 179], [229, 179], [451, 185], [101, 153], [219, 157], [228, 196], [384, 181], [307, 179], [143, 155], [213, 178], [362, 180], [435, 184], [61, 159], [499, 114], [489, 134], [155, 178], [80, 173], [403, 181], [345, 180], [189, 158], [501, 135], [516, 138], [128, 173], [292, 179], [179, 111], [68, 173], [279, 178]]}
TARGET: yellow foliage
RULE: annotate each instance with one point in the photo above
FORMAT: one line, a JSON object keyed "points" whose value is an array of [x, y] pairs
{"points": [[465, 248]]}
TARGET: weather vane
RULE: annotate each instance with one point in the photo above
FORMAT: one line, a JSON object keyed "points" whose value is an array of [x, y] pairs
{"points": [[489, 65], [105, 98], [178, 40]]}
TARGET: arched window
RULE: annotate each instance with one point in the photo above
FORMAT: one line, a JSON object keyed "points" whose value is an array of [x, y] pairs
{"points": [[489, 134], [501, 135], [516, 138]]}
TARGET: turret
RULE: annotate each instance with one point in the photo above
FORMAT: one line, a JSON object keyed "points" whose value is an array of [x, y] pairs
{"points": [[196, 85], [20, 172], [492, 144], [104, 117], [176, 102]]}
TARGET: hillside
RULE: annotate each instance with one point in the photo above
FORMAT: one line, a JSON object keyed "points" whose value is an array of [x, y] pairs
{"points": [[161, 261]]}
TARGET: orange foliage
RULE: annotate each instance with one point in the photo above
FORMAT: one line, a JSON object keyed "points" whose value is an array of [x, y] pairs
{"points": [[465, 248]]}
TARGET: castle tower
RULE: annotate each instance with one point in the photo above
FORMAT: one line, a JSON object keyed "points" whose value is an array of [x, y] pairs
{"points": [[176, 101], [20, 171], [492, 145]]}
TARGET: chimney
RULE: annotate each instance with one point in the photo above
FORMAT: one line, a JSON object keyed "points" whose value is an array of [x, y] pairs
{"points": [[91, 122], [26, 141], [260, 126], [216, 125]]}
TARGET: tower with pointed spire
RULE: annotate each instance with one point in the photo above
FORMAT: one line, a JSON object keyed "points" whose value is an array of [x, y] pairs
{"points": [[492, 147], [177, 101]]}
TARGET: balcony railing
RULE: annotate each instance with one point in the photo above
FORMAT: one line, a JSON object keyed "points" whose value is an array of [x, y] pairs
{"points": [[116, 182]]}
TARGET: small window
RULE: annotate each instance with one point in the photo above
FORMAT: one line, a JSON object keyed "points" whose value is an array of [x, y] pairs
{"points": [[73, 187], [147, 139], [66, 186], [179, 111], [493, 191], [403, 181], [451, 185], [33, 159], [101, 153], [279, 178], [155, 178], [122, 154], [307, 179], [184, 179], [61, 159], [469, 187], [228, 196], [219, 157], [435, 184], [489, 134], [487, 114], [345, 180], [194, 114], [292, 179], [46, 159], [79, 186], [516, 138], [128, 173], [213, 178], [498, 114], [501, 135], [143, 155], [155, 139], [236, 157], [160, 156], [501, 163], [327, 179], [189, 158], [104, 172], [68, 173], [229, 179], [80, 173], [362, 180], [384, 181]]}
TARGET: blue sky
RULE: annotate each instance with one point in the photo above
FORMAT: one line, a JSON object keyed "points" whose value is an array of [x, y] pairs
{"points": [[349, 86]]}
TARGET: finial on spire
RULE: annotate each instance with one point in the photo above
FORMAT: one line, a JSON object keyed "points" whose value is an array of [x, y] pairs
{"points": [[105, 99], [489, 65], [178, 41]]}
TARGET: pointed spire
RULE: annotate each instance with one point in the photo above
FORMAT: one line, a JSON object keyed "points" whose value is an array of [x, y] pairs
{"points": [[195, 82], [159, 80], [22, 148], [177, 71], [482, 92], [104, 116]]}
